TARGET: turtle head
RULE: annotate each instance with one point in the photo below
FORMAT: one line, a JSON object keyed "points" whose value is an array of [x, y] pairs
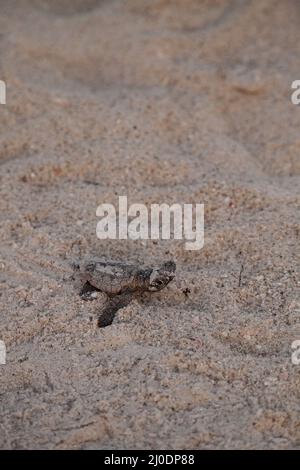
{"points": [[161, 276]]}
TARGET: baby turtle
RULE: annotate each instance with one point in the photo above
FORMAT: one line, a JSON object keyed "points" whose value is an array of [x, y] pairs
{"points": [[120, 282]]}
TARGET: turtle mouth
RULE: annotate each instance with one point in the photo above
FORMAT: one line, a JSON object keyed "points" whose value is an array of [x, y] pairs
{"points": [[157, 287]]}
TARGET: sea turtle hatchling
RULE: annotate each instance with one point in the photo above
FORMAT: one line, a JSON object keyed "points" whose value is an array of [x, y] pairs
{"points": [[120, 282]]}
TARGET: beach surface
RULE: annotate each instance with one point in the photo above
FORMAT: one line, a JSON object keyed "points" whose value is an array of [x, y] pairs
{"points": [[182, 101]]}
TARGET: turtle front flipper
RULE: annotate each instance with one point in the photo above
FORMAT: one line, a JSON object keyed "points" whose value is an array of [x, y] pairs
{"points": [[107, 316], [88, 292]]}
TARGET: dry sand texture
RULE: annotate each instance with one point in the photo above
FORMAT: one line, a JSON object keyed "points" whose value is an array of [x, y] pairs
{"points": [[162, 101]]}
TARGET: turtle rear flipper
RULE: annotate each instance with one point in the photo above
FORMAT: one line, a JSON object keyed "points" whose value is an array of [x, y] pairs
{"points": [[107, 316]]}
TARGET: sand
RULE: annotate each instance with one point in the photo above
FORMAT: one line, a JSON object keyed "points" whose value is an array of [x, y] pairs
{"points": [[183, 101]]}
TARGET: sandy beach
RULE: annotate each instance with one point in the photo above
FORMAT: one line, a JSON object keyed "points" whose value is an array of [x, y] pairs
{"points": [[164, 101]]}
